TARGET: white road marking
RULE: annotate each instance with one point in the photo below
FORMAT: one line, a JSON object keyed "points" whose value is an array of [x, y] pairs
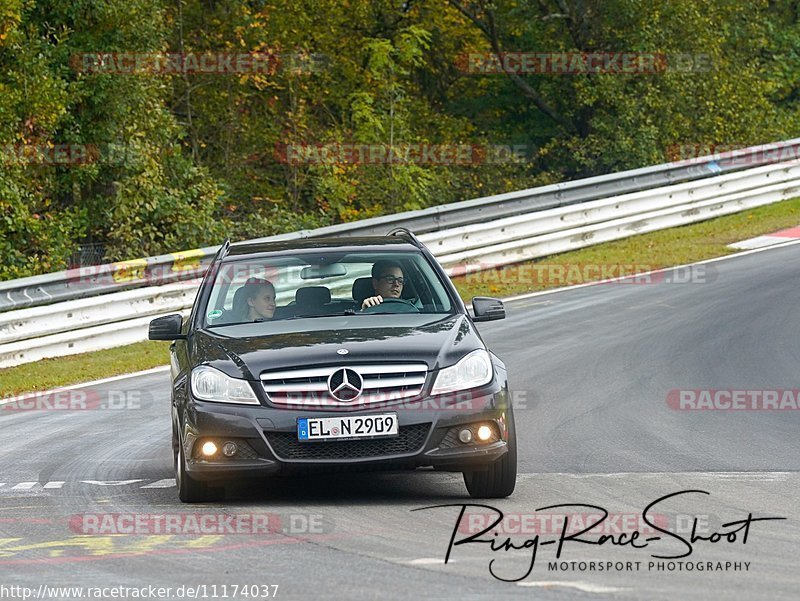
{"points": [[770, 477], [758, 242], [720, 475], [586, 587], [793, 233], [424, 561], [729, 476], [110, 482], [24, 486], [166, 483]]}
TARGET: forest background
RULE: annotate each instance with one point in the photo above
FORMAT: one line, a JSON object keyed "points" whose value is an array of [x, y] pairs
{"points": [[130, 128]]}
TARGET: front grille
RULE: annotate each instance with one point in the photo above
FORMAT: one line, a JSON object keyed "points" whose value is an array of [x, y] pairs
{"points": [[308, 388], [409, 439]]}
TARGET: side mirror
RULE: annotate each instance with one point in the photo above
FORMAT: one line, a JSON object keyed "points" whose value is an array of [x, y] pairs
{"points": [[485, 308], [166, 328]]}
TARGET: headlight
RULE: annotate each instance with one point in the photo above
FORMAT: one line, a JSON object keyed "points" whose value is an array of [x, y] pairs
{"points": [[472, 371], [209, 384]]}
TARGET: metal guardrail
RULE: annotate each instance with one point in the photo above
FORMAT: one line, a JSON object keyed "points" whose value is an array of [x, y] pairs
{"points": [[125, 275], [122, 317], [477, 237], [730, 200]]}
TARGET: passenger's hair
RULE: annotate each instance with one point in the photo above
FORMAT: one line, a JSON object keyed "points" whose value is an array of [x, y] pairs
{"points": [[381, 267]]}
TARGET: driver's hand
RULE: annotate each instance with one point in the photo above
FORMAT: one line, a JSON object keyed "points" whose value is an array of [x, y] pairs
{"points": [[372, 301]]}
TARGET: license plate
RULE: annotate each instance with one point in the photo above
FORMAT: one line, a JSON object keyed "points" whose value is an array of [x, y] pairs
{"points": [[347, 426]]}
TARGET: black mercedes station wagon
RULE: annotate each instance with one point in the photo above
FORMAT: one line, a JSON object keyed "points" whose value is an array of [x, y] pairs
{"points": [[350, 353]]}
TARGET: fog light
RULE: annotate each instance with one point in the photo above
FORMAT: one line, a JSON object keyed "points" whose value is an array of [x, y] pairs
{"points": [[484, 433], [209, 449], [229, 449], [465, 436]]}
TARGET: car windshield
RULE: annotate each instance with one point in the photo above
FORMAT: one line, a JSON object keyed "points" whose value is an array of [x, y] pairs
{"points": [[310, 285]]}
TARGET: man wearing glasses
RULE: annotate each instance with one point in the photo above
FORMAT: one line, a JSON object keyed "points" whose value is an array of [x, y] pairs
{"points": [[387, 281]]}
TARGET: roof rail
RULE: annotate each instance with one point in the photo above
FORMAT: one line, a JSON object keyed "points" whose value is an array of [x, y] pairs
{"points": [[407, 233]]}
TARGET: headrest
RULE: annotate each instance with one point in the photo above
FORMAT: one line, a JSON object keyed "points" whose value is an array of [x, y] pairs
{"points": [[239, 307], [312, 296], [362, 288]]}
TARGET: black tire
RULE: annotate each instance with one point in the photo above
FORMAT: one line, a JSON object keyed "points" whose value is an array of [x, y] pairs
{"points": [[500, 478], [189, 489]]}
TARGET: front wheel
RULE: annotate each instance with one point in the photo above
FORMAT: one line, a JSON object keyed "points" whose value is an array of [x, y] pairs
{"points": [[500, 478]]}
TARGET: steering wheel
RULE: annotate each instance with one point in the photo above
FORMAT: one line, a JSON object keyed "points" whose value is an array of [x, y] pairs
{"points": [[399, 305]]}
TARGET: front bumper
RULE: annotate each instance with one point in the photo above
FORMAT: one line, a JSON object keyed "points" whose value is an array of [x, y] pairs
{"points": [[268, 437]]}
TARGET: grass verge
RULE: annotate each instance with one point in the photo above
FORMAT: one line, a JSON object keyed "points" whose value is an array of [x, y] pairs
{"points": [[637, 254], [62, 371], [645, 252]]}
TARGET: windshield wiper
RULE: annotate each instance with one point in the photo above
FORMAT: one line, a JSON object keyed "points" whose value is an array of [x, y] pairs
{"points": [[313, 316], [233, 323], [265, 320]]}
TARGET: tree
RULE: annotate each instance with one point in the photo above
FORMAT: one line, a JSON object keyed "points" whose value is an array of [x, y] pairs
{"points": [[709, 88]]}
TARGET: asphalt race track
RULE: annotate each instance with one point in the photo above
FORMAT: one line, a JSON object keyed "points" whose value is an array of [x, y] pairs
{"points": [[592, 368]]}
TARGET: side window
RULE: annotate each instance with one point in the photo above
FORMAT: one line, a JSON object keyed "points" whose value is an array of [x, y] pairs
{"points": [[209, 276], [432, 294], [422, 286]]}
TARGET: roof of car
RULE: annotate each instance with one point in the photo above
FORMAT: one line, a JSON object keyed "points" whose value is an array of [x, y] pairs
{"points": [[371, 243]]}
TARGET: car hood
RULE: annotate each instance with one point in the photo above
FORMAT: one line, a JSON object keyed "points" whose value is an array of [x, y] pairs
{"points": [[247, 350]]}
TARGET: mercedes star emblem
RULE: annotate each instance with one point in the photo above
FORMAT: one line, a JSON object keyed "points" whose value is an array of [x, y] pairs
{"points": [[345, 385]]}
